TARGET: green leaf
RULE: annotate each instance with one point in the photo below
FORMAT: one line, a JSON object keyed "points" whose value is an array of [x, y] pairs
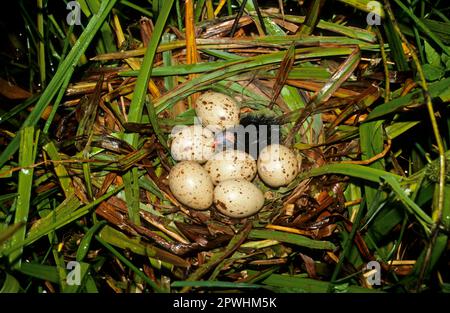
{"points": [[432, 56], [11, 285], [41, 271], [432, 73], [398, 128], [438, 249], [406, 200], [441, 29], [90, 285], [446, 60]]}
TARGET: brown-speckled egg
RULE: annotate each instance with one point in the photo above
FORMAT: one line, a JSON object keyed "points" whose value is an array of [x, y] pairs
{"points": [[238, 198], [192, 143], [277, 165], [231, 164], [191, 185], [217, 111]]}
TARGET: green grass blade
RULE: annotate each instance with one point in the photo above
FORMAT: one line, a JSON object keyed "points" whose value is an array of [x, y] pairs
{"points": [[217, 257], [140, 91], [441, 29], [137, 105], [118, 239], [129, 264], [348, 31], [131, 183], [10, 231], [291, 238], [48, 227], [215, 284], [363, 5], [315, 73], [413, 98], [27, 154], [312, 17], [239, 66], [423, 27], [395, 45], [149, 185], [136, 7], [42, 43], [90, 285], [438, 249], [353, 170], [18, 108], [60, 170], [343, 72], [85, 243], [66, 68], [301, 284], [57, 101], [372, 143], [446, 212]]}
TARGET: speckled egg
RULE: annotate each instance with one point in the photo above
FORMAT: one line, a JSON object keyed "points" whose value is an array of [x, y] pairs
{"points": [[238, 198], [277, 165], [217, 111], [191, 185], [231, 164], [192, 143]]}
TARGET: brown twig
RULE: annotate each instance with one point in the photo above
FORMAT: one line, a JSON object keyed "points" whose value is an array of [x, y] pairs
{"points": [[376, 157]]}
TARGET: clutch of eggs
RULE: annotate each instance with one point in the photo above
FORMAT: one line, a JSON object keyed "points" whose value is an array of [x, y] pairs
{"points": [[231, 170]]}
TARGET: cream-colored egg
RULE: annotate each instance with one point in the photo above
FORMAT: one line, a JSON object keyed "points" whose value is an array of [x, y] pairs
{"points": [[238, 198], [231, 164], [192, 143], [277, 165], [217, 111], [191, 185]]}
